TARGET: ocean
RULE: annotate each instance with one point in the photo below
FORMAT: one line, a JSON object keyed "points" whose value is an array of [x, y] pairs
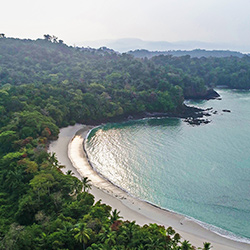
{"points": [[202, 172]]}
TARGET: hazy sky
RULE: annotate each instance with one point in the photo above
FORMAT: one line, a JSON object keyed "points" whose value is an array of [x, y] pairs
{"points": [[75, 21]]}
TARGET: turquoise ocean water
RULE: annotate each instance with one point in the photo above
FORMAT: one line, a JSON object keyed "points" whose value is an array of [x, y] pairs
{"points": [[202, 172]]}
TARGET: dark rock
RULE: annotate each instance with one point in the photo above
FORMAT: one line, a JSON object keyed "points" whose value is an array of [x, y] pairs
{"points": [[226, 110], [211, 94], [206, 121], [207, 95], [196, 121]]}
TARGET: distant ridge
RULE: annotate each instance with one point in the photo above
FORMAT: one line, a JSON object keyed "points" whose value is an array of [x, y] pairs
{"points": [[128, 44], [193, 53]]}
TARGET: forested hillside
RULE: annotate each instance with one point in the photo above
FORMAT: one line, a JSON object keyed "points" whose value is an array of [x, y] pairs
{"points": [[230, 71], [141, 53], [79, 84], [44, 85]]}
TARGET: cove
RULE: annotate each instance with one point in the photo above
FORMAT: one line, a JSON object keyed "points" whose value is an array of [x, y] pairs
{"points": [[201, 171]]}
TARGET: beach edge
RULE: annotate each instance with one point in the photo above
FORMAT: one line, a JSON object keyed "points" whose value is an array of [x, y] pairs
{"points": [[71, 140]]}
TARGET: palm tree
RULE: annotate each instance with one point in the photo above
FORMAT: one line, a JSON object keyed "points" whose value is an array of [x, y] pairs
{"points": [[53, 160], [86, 184], [70, 172], [47, 37], [186, 245], [177, 238], [54, 39], [115, 216], [104, 233], [206, 246], [76, 186], [128, 231], [155, 243], [110, 239], [170, 231], [83, 234], [43, 241], [95, 246]]}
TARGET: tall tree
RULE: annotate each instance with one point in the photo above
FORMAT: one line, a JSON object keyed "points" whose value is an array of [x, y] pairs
{"points": [[82, 234], [206, 246], [115, 216], [86, 184], [186, 245], [47, 37]]}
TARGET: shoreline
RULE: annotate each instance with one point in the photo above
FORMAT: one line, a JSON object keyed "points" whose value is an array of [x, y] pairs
{"points": [[69, 151], [187, 112]]}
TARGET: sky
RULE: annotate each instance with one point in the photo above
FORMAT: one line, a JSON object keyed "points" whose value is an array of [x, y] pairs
{"points": [[75, 21]]}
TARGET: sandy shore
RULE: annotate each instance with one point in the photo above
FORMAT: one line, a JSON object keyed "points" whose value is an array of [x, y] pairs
{"points": [[70, 153]]}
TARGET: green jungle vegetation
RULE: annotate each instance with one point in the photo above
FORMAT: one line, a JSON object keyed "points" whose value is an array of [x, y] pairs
{"points": [[45, 85], [141, 53]]}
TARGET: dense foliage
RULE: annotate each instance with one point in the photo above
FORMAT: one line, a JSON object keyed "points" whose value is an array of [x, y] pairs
{"points": [[141, 53], [44, 85], [231, 71], [72, 84]]}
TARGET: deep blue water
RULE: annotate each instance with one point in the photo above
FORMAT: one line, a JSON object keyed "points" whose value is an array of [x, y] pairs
{"points": [[199, 171]]}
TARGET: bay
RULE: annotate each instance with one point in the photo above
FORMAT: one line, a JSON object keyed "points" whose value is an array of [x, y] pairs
{"points": [[202, 172]]}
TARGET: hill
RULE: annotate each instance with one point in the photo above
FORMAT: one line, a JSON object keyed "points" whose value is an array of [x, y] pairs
{"points": [[44, 85], [127, 44]]}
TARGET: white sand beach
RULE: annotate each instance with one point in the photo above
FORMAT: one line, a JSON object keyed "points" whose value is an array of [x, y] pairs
{"points": [[70, 153]]}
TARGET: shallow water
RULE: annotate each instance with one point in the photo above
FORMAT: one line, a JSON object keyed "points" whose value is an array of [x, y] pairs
{"points": [[199, 171]]}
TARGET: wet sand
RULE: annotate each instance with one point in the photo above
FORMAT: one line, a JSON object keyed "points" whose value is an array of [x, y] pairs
{"points": [[70, 153]]}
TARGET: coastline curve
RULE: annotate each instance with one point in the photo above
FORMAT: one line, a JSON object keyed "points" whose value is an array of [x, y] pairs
{"points": [[133, 208]]}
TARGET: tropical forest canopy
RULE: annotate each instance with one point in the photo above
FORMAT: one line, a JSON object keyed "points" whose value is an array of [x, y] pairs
{"points": [[141, 53], [44, 85]]}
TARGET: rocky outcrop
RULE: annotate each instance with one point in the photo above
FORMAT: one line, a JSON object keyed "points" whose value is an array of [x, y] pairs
{"points": [[209, 94], [196, 121]]}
